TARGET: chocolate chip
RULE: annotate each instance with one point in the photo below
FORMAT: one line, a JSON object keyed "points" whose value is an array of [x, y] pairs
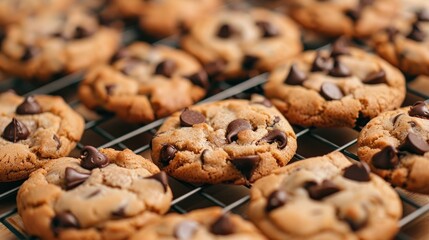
{"points": [[339, 69], [268, 29], [331, 91], [249, 62], [225, 31], [166, 68], [375, 77], [320, 191], [320, 64], [15, 131], [29, 106], [110, 88], [416, 33], [120, 212], [214, 68], [185, 230], [420, 110], [222, 226], [81, 32], [246, 164], [415, 144], [295, 76], [57, 140], [199, 78], [422, 15], [235, 127], [339, 47], [202, 157], [189, 117], [276, 120], [29, 53], [162, 178], [63, 220], [167, 154], [357, 172], [387, 158], [355, 225], [277, 136], [276, 199], [73, 178], [92, 158]]}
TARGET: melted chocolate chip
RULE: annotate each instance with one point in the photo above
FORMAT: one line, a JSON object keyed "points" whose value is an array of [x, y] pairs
{"points": [[420, 110], [339, 47], [249, 62], [222, 226], [375, 78], [277, 136], [29, 53], [92, 158], [268, 29], [185, 230], [214, 68], [166, 68], [15, 131], [110, 88], [416, 33], [189, 117], [162, 178], [320, 64], [29, 106], [320, 191], [276, 199], [235, 127], [331, 91], [225, 31], [81, 32], [73, 178], [57, 140], [246, 164], [339, 69], [64, 220], [167, 154], [415, 144], [387, 158], [295, 76], [199, 78], [422, 15], [357, 172]]}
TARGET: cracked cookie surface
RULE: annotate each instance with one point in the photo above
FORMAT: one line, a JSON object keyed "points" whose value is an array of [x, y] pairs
{"points": [[34, 131], [395, 145], [325, 197], [107, 194], [234, 141], [209, 223], [145, 83], [342, 87]]}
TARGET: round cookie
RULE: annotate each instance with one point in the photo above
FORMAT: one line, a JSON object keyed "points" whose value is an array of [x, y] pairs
{"points": [[236, 44], [107, 194], [145, 82], [47, 44], [325, 197], [231, 141], [356, 18], [395, 145], [210, 224], [343, 87], [34, 131]]}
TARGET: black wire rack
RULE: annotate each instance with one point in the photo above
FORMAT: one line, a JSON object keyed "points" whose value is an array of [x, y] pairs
{"points": [[103, 131]]}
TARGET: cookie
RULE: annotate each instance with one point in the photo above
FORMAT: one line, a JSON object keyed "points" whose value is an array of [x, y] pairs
{"points": [[236, 44], [231, 141], [106, 194], [404, 43], [395, 145], [325, 197], [208, 223], [354, 18], [341, 87], [34, 130], [47, 44], [144, 83]]}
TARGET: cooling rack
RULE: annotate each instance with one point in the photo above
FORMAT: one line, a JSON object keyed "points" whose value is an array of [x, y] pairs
{"points": [[104, 130]]}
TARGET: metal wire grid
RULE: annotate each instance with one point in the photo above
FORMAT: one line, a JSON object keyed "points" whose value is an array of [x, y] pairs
{"points": [[190, 194]]}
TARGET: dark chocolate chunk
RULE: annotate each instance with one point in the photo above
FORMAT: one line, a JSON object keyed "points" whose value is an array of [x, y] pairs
{"points": [[414, 143], [357, 172], [276, 199], [166, 68], [339, 47], [29, 53], [57, 139], [320, 64], [29, 106], [73, 178], [295, 76], [63, 220], [225, 31], [81, 32], [223, 226], [417, 34], [375, 78], [420, 110], [246, 164], [277, 136], [320, 191], [120, 212], [215, 67], [235, 127], [387, 158], [189, 117], [167, 154], [422, 15], [185, 230], [268, 29], [92, 158], [249, 62], [199, 78], [339, 69], [15, 131], [331, 91], [162, 178]]}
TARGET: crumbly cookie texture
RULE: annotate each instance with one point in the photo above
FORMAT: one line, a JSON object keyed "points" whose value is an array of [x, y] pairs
{"points": [[236, 44], [145, 82], [210, 223], [405, 42], [395, 145], [34, 130], [342, 87], [325, 197], [234, 141], [354, 18], [107, 194], [46, 44]]}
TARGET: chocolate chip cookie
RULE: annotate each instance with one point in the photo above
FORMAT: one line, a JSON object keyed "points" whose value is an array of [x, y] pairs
{"points": [[341, 87], [236, 44], [34, 130], [46, 44], [145, 82], [209, 223], [106, 194], [231, 141], [357, 18], [395, 145], [325, 197]]}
